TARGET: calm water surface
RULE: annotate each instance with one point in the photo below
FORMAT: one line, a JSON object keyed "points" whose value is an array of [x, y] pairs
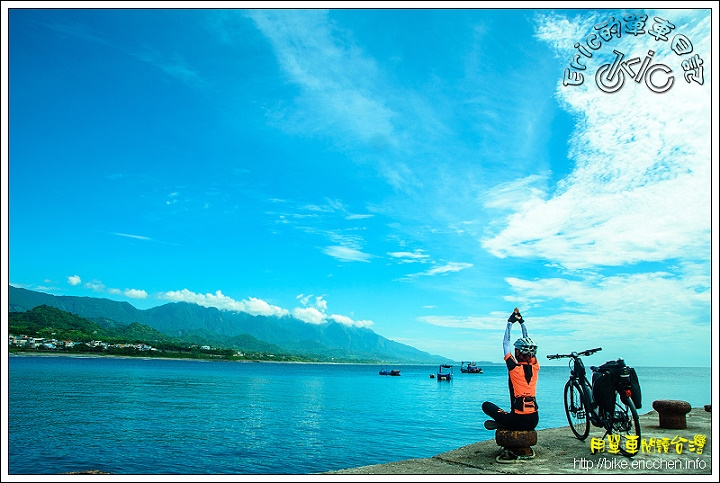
{"points": [[149, 416]]}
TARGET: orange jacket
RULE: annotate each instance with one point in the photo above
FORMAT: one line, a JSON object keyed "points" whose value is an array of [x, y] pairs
{"points": [[522, 381]]}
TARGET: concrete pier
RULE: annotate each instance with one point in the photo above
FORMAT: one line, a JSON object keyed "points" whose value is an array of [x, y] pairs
{"points": [[558, 452]]}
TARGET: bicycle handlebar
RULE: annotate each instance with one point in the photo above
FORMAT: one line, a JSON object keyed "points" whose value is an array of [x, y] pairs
{"points": [[575, 354]]}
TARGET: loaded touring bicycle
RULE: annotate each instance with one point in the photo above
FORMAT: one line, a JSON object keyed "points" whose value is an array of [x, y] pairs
{"points": [[610, 402]]}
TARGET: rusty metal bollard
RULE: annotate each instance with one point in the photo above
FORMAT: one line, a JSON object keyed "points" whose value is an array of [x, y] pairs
{"points": [[516, 444], [672, 413]]}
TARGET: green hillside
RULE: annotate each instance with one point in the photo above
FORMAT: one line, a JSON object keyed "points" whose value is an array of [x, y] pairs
{"points": [[52, 323], [49, 322]]}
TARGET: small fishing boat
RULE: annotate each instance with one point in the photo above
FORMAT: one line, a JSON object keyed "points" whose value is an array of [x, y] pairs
{"points": [[470, 368], [389, 372], [445, 371]]}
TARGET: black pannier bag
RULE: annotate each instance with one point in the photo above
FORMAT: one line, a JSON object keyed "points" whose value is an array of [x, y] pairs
{"points": [[615, 368], [623, 377], [603, 391], [636, 394]]}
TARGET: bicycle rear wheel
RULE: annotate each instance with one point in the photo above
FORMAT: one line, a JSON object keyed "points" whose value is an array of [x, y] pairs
{"points": [[626, 423], [576, 410]]}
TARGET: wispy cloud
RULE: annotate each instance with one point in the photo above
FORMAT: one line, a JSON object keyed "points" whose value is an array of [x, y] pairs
{"points": [[410, 257], [316, 218], [347, 254], [136, 237], [463, 322], [608, 311], [671, 310], [79, 31], [173, 65], [95, 285], [450, 267], [142, 238], [336, 77]]}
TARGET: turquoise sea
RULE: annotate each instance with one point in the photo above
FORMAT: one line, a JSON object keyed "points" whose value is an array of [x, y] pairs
{"points": [[154, 417]]}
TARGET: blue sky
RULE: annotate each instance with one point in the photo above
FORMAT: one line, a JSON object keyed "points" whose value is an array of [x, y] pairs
{"points": [[418, 172]]}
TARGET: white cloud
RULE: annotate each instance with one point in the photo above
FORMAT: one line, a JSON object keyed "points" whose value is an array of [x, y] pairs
{"points": [[345, 320], [256, 306], [96, 286], [561, 32], [346, 254], [410, 257], [358, 217], [640, 187], [315, 313], [450, 267], [223, 302], [320, 303], [134, 293], [342, 319], [311, 315]]}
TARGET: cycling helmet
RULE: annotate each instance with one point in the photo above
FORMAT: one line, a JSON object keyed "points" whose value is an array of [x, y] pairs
{"points": [[526, 346]]}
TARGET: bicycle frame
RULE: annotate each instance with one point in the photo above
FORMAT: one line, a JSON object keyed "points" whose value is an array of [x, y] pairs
{"points": [[578, 373]]}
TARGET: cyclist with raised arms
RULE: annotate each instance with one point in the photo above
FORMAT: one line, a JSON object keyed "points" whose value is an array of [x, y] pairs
{"points": [[523, 370]]}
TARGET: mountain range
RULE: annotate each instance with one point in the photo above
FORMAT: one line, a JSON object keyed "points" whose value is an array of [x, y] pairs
{"points": [[233, 329]]}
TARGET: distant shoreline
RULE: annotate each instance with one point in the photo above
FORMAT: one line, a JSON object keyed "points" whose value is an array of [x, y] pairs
{"points": [[116, 356], [493, 364]]}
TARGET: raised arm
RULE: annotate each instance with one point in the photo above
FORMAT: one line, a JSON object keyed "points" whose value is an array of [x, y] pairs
{"points": [[506, 339], [515, 316]]}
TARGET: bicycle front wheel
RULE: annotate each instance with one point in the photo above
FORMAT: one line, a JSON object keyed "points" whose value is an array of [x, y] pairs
{"points": [[576, 410], [626, 423]]}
